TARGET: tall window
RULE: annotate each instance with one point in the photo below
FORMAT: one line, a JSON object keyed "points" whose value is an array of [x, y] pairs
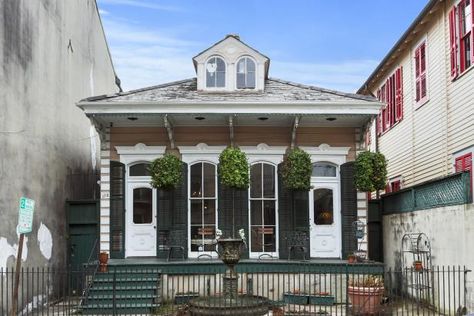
{"points": [[215, 73], [420, 73], [461, 36], [263, 207], [391, 93], [202, 197], [246, 73]]}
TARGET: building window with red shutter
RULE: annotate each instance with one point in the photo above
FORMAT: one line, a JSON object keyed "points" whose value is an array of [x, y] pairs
{"points": [[420, 60], [395, 184], [461, 36], [391, 93], [463, 162]]}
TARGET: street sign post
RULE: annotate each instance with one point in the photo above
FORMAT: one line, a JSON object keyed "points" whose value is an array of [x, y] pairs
{"points": [[25, 226]]}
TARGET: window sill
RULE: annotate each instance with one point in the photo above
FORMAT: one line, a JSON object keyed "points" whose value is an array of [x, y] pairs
{"points": [[390, 128], [462, 74], [422, 102]]}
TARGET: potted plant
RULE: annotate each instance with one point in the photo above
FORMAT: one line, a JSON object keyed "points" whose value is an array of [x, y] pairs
{"points": [[166, 172], [351, 258], [295, 297], [103, 261], [365, 294], [370, 171], [418, 265]]}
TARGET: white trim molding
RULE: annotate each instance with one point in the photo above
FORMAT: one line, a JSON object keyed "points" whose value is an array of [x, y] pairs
{"points": [[139, 152], [324, 152], [264, 153], [201, 152]]}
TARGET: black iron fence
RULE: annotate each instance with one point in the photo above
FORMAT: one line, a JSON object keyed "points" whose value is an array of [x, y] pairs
{"points": [[343, 289]]}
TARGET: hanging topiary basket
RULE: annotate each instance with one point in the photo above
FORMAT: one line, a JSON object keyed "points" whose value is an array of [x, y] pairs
{"points": [[234, 168], [370, 171], [297, 169], [166, 172]]}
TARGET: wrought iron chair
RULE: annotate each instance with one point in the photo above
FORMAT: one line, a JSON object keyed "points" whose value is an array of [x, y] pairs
{"points": [[297, 240], [175, 241]]}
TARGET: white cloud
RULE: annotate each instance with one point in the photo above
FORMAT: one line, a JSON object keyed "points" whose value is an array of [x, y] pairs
{"points": [[103, 12], [140, 4]]}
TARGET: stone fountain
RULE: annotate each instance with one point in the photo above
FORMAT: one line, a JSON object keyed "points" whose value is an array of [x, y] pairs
{"points": [[230, 303]]}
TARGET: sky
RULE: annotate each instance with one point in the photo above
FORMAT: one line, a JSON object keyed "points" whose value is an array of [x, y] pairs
{"points": [[335, 44]]}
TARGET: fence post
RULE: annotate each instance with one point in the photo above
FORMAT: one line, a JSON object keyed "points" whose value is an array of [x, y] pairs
{"points": [[113, 292]]}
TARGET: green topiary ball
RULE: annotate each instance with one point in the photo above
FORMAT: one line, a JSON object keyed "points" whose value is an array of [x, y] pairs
{"points": [[297, 169], [166, 172], [234, 168]]}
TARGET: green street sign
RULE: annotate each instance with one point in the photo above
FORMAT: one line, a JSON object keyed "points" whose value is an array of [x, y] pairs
{"points": [[25, 218]]}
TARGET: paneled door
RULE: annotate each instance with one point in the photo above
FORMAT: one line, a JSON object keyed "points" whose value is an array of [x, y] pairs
{"points": [[140, 220], [325, 220]]}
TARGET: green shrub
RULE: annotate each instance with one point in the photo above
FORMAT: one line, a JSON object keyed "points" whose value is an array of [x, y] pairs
{"points": [[234, 168], [370, 171], [297, 169], [166, 172]]}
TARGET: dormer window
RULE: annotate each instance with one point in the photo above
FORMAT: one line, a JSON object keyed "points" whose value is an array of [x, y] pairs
{"points": [[246, 73], [215, 73]]}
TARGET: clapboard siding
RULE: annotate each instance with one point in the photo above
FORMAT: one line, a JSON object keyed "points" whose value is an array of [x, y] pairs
{"points": [[421, 146]]}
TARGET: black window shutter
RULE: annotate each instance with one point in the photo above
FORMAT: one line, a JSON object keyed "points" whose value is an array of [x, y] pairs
{"points": [[172, 214], [225, 221], [348, 208], [117, 209], [285, 215]]}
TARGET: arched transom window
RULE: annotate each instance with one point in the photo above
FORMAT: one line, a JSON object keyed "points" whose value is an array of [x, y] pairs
{"points": [[246, 73], [202, 197], [215, 73], [140, 170], [263, 201], [324, 169]]}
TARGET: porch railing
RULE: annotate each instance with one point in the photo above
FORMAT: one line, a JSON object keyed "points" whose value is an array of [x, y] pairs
{"points": [[146, 290]]}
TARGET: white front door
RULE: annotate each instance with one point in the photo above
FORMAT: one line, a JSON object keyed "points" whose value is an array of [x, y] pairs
{"points": [[325, 220], [140, 220]]}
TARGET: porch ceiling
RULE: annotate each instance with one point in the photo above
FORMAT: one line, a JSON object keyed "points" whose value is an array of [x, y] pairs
{"points": [[201, 119]]}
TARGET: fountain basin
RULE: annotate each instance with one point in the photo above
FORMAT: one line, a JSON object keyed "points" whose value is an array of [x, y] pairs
{"points": [[220, 305]]}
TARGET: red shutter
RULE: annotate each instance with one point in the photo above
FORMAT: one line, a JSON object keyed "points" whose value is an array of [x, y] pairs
{"points": [[395, 186], [378, 122], [464, 163], [453, 41], [399, 94]]}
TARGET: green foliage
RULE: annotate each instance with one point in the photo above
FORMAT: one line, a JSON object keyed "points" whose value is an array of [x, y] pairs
{"points": [[234, 168], [166, 172], [297, 169], [370, 171]]}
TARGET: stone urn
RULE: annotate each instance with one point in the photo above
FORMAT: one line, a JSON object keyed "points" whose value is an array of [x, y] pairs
{"points": [[230, 250]]}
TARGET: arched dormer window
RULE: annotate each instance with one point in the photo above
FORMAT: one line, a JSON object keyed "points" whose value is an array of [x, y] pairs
{"points": [[324, 169], [215, 73], [245, 73]]}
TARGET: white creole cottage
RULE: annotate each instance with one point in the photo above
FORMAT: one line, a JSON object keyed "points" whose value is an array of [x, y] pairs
{"points": [[232, 101]]}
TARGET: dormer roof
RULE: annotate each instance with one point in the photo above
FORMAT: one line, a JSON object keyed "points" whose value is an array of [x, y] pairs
{"points": [[231, 45]]}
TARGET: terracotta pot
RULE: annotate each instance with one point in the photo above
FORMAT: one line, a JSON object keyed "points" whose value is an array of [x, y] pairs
{"points": [[418, 265], [365, 300], [351, 259], [103, 260], [277, 311]]}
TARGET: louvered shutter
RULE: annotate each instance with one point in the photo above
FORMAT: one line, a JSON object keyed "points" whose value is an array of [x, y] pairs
{"points": [[399, 94], [348, 208], [285, 215], [241, 211], [453, 42], [117, 210]]}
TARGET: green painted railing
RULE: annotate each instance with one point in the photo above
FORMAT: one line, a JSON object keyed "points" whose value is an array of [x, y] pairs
{"points": [[454, 189]]}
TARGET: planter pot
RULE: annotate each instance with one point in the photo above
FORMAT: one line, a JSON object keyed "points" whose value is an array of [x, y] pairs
{"points": [[103, 260], [299, 299], [318, 299], [418, 265], [351, 259], [183, 298], [365, 300]]}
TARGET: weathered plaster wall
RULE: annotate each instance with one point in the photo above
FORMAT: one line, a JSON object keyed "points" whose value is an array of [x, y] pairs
{"points": [[53, 53], [450, 230]]}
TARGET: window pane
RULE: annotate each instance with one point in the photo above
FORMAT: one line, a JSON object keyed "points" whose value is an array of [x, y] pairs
{"points": [[269, 239], [220, 79], [240, 80], [209, 180], [257, 239], [256, 212], [196, 212], [140, 169], [196, 180], [241, 66], [210, 79], [250, 65], [256, 181], [142, 206], [251, 80], [209, 212], [269, 212], [323, 170], [220, 64], [323, 206], [268, 181]]}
